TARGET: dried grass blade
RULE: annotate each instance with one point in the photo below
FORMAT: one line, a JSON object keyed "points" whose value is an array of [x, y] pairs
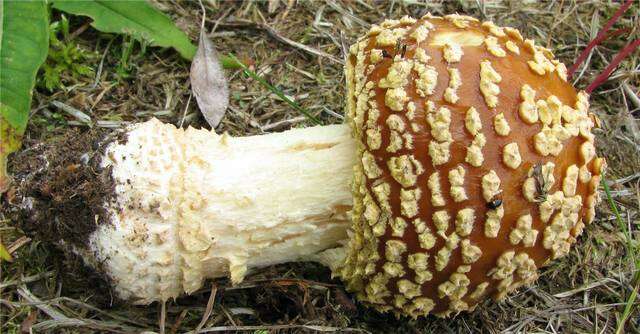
{"points": [[276, 91], [209, 309]]}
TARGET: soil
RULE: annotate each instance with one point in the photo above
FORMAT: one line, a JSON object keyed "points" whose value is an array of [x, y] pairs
{"points": [[58, 196]]}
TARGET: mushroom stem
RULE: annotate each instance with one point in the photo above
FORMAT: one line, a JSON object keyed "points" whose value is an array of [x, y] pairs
{"points": [[203, 205], [188, 205]]}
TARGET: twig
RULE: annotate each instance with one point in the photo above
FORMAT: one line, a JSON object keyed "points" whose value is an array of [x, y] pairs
{"points": [[276, 35], [348, 14], [631, 95], [99, 71], [229, 317], [75, 113], [163, 316], [629, 141], [584, 288], [207, 311], [176, 325], [283, 122], [79, 31], [625, 179], [184, 114], [17, 244], [218, 20], [110, 124], [332, 113], [27, 279], [101, 95]]}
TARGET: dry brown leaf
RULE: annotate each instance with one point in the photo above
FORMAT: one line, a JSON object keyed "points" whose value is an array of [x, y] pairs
{"points": [[208, 82], [27, 323]]}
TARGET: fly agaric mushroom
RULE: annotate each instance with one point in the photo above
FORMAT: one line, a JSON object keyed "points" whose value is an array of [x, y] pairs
{"points": [[474, 166]]}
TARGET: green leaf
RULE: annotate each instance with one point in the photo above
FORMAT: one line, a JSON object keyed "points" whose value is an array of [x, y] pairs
{"points": [[136, 18], [24, 41], [4, 253]]}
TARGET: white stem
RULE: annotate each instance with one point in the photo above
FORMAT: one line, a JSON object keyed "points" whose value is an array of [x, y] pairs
{"points": [[192, 205]]}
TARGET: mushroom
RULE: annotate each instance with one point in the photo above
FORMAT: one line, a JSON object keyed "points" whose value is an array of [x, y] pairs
{"points": [[467, 163]]}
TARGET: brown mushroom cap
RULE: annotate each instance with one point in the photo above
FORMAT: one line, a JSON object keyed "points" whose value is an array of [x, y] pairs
{"points": [[478, 164]]}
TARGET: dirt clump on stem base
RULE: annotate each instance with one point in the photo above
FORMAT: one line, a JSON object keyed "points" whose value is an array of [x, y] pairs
{"points": [[58, 195]]}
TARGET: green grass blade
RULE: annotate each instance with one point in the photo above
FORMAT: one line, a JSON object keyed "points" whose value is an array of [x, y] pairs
{"points": [[275, 90], [630, 302], [616, 212], [24, 41]]}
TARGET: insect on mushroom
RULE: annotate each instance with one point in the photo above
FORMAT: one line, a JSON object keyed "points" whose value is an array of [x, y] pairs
{"points": [[400, 49], [542, 185], [493, 205], [427, 233]]}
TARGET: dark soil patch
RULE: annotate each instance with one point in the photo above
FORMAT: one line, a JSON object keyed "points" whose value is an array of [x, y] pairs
{"points": [[59, 189], [58, 196]]}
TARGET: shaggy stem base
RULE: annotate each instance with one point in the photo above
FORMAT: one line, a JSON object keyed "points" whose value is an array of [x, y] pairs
{"points": [[192, 205]]}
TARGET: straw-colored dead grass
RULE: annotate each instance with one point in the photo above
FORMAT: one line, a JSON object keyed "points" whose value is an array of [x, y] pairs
{"points": [[590, 291]]}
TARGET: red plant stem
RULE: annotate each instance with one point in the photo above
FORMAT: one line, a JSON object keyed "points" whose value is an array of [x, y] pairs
{"points": [[602, 77], [585, 54], [602, 34]]}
